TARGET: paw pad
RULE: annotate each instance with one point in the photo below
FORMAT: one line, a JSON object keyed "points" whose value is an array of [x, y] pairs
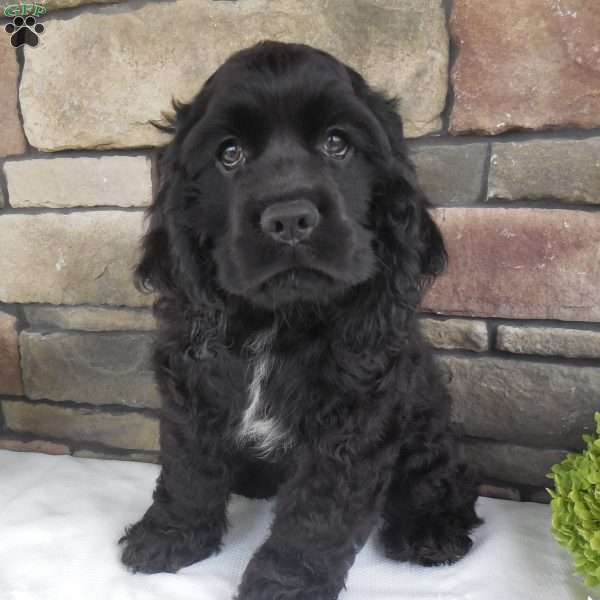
{"points": [[24, 30]]}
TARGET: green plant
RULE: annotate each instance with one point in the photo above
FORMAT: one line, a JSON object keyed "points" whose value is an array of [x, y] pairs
{"points": [[576, 506]]}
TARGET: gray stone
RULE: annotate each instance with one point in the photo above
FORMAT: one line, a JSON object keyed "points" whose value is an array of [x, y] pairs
{"points": [[525, 403], [124, 430], [132, 456], [450, 174], [455, 334], [511, 463], [540, 496], [109, 368], [549, 341], [60, 182], [500, 492], [401, 47], [10, 368], [564, 170], [77, 258], [89, 318]]}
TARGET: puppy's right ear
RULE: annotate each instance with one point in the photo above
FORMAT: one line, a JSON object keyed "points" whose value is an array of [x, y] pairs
{"points": [[154, 272], [164, 257]]}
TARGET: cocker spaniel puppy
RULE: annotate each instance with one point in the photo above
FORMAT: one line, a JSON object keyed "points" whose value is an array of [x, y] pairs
{"points": [[289, 245]]}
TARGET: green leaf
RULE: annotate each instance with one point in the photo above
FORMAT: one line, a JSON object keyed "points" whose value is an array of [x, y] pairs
{"points": [[575, 506]]}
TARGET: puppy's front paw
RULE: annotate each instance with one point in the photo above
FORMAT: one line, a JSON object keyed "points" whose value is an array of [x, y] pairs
{"points": [[279, 590], [435, 545], [274, 575], [150, 547]]}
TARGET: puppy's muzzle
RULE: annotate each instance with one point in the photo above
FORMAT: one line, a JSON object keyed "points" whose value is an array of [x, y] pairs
{"points": [[290, 222]]}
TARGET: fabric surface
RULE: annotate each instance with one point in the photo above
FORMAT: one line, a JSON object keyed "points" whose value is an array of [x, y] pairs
{"points": [[60, 518]]}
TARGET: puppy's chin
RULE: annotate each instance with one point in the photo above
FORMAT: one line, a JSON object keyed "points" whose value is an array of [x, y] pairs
{"points": [[298, 285]]}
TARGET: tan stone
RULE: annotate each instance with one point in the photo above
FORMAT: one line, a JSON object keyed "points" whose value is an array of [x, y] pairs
{"points": [[88, 318], [133, 456], [563, 170], [83, 181], [529, 64], [519, 263], [34, 446], [109, 368], [401, 47], [12, 140], [10, 369], [72, 258], [124, 430], [549, 341], [58, 4], [455, 334]]}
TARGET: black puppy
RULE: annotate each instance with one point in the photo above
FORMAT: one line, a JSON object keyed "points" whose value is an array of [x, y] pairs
{"points": [[289, 245]]}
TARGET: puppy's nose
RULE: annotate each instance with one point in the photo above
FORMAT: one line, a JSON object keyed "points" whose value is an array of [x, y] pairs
{"points": [[290, 222]]}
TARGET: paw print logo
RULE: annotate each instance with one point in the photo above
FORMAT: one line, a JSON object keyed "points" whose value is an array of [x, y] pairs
{"points": [[24, 31]]}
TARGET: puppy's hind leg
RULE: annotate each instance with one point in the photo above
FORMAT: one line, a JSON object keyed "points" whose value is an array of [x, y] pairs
{"points": [[429, 510]]}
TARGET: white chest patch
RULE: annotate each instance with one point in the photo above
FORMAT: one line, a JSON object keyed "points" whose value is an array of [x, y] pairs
{"points": [[256, 426]]}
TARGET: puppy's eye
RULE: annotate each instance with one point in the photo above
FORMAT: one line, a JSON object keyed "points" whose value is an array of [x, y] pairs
{"points": [[336, 144], [231, 154]]}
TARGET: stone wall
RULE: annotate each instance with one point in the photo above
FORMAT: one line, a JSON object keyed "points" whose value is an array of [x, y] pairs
{"points": [[502, 104]]}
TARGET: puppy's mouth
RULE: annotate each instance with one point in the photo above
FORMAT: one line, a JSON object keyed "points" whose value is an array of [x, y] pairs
{"points": [[294, 285], [298, 277]]}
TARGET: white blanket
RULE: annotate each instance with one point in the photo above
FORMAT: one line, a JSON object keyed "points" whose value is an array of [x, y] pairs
{"points": [[60, 518]]}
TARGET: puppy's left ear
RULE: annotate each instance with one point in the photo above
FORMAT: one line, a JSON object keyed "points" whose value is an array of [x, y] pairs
{"points": [[431, 251]]}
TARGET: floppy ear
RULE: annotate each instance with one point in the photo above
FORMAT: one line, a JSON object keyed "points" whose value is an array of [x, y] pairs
{"points": [[433, 254], [172, 263], [154, 272], [400, 194]]}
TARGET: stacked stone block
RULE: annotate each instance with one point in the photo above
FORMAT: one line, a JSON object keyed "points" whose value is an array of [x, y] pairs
{"points": [[501, 104]]}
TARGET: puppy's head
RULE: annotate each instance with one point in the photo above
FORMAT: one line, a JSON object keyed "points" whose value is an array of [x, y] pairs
{"points": [[286, 181]]}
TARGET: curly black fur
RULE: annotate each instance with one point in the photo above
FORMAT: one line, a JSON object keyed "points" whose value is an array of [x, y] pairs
{"points": [[350, 421]]}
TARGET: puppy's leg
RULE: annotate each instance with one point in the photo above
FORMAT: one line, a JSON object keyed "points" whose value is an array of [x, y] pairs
{"points": [[323, 516], [187, 518], [430, 505]]}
